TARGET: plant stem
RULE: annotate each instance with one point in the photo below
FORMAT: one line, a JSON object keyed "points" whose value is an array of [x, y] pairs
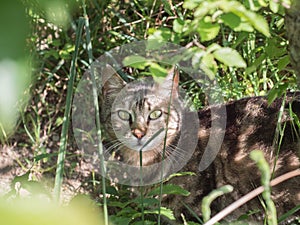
{"points": [[97, 113], [65, 125]]}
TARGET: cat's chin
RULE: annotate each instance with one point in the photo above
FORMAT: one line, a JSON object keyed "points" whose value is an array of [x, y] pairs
{"points": [[140, 147]]}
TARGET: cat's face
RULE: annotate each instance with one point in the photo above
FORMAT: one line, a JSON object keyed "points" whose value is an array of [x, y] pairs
{"points": [[139, 115]]}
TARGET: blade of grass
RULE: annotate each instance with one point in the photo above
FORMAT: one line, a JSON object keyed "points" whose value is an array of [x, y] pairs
{"points": [[164, 149], [288, 214], [264, 168], [279, 133], [192, 212], [142, 186], [141, 172], [97, 113], [65, 125]]}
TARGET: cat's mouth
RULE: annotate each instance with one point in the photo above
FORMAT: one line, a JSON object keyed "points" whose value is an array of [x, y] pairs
{"points": [[151, 143]]}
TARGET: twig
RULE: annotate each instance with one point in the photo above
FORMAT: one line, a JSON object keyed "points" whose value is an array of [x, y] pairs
{"points": [[250, 196]]}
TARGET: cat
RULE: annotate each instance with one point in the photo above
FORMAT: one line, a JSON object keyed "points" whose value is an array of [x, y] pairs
{"points": [[137, 116]]}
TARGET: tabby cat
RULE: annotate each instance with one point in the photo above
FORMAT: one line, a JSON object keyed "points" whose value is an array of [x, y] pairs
{"points": [[137, 117]]}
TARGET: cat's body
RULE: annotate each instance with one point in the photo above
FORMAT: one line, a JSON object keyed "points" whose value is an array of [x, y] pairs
{"points": [[250, 124]]}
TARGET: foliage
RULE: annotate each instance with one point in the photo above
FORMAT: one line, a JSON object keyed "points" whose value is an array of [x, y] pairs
{"points": [[15, 212], [211, 197], [238, 43], [262, 164]]}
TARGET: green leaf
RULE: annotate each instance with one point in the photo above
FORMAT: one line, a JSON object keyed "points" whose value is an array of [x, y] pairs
{"points": [[258, 22], [128, 211], [283, 62], [118, 220], [263, 3], [244, 26], [178, 25], [59, 121], [157, 71], [274, 6], [146, 201], [159, 38], [213, 47], [206, 8], [209, 65], [117, 204], [207, 29], [169, 189], [231, 20], [256, 64], [191, 4], [274, 49], [135, 61], [229, 57], [236, 23], [163, 211], [44, 155], [180, 174], [277, 92]]}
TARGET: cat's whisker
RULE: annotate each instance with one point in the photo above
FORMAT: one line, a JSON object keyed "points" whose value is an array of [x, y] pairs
{"points": [[172, 153], [177, 151], [113, 147]]}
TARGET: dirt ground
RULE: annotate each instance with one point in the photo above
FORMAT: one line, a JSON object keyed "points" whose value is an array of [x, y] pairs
{"points": [[19, 175]]}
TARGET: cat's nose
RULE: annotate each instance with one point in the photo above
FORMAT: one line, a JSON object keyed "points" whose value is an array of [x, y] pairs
{"points": [[138, 133]]}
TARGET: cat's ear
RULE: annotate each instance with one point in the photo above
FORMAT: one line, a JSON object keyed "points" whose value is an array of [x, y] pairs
{"points": [[112, 82], [171, 83]]}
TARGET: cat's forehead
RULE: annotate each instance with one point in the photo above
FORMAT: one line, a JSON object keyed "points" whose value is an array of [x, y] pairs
{"points": [[140, 95], [141, 100]]}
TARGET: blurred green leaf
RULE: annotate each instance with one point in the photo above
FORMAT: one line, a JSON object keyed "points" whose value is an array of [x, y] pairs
{"points": [[283, 62], [36, 211], [14, 81], [229, 57], [14, 26], [273, 48], [209, 65], [163, 211], [119, 220], [158, 38], [277, 92], [191, 4], [147, 202], [274, 6], [231, 20], [178, 25], [258, 22], [157, 71], [136, 61], [207, 29]]}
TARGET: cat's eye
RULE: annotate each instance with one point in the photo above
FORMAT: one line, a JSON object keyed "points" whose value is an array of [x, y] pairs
{"points": [[124, 115], [155, 114]]}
